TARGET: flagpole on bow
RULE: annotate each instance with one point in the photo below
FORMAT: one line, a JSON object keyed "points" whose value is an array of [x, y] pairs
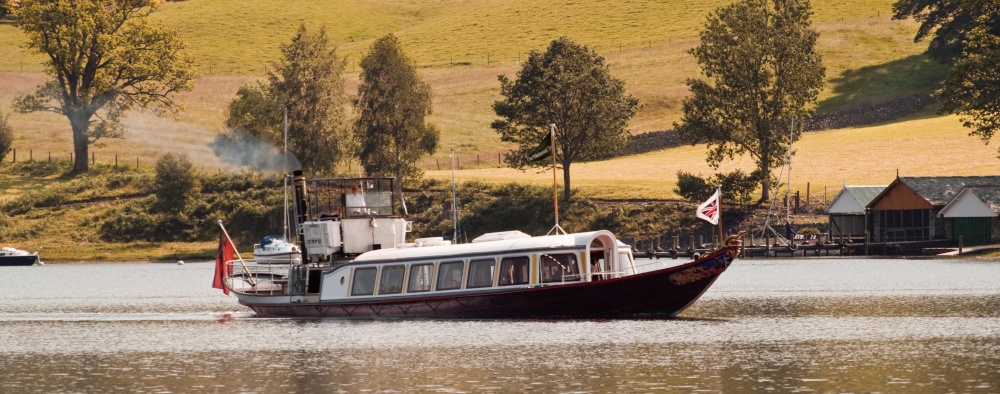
{"points": [[719, 191], [233, 245]]}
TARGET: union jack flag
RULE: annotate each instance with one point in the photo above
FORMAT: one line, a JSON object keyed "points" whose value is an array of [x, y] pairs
{"points": [[709, 210]]}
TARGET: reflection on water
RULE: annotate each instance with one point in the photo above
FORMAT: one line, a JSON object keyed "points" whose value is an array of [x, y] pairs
{"points": [[823, 325]]}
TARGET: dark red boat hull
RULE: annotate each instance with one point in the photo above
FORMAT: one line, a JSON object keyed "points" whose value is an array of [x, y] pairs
{"points": [[665, 292]]}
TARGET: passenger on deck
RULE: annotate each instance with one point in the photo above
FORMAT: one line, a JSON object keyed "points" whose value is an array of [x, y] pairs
{"points": [[356, 202]]}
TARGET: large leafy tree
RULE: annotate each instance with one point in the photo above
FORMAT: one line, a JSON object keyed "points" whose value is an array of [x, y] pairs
{"points": [[392, 104], [308, 81], [104, 57], [761, 69], [571, 87], [949, 23], [972, 89], [966, 34]]}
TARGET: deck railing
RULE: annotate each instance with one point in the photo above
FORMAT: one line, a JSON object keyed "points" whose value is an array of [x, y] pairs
{"points": [[257, 278]]}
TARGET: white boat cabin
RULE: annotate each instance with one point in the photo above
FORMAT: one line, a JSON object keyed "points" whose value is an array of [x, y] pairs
{"points": [[492, 262]]}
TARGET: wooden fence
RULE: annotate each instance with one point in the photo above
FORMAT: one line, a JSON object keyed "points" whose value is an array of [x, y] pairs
{"points": [[93, 158]]}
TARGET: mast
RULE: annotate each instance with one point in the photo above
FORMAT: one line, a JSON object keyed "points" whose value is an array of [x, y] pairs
{"points": [[555, 189], [454, 200], [284, 232], [788, 158]]}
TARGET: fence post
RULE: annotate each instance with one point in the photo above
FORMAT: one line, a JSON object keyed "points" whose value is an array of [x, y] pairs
{"points": [[50, 157], [438, 161], [477, 160], [116, 160], [31, 155], [93, 158], [137, 162], [15, 156], [807, 196]]}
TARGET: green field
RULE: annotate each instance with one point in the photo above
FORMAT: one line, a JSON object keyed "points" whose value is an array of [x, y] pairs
{"points": [[461, 47]]}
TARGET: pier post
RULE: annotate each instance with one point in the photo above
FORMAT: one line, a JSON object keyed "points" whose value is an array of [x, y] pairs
{"points": [[767, 244], [867, 241]]}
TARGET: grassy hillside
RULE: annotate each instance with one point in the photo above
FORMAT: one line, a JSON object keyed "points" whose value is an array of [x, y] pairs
{"points": [[461, 46], [923, 146]]}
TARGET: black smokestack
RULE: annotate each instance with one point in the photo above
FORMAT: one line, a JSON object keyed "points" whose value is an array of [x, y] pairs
{"points": [[301, 210]]}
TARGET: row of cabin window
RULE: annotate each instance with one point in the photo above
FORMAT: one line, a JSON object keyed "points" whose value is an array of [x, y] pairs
{"points": [[514, 270]]}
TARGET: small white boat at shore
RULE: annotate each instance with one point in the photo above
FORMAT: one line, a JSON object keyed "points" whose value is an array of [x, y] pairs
{"points": [[16, 257], [275, 249]]}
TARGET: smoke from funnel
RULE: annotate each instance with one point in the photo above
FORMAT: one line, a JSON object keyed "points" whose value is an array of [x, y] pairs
{"points": [[243, 149]]}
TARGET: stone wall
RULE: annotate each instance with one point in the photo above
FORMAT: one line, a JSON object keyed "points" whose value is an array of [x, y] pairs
{"points": [[879, 113]]}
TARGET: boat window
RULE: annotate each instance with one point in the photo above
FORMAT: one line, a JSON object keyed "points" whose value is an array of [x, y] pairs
{"points": [[481, 273], [420, 278], [364, 281], [560, 267], [450, 275], [392, 280], [514, 270]]}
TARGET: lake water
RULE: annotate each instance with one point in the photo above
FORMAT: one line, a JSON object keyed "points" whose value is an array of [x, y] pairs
{"points": [[803, 325]]}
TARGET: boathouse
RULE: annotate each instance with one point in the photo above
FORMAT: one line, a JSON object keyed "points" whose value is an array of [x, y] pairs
{"points": [[971, 217], [913, 209], [846, 212]]}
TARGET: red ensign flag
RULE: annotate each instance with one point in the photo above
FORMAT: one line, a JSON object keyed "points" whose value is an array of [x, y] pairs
{"points": [[224, 255]]}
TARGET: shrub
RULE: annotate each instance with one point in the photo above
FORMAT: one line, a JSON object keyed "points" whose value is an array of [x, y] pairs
{"points": [[6, 137], [128, 225], [737, 186], [809, 230], [175, 184], [693, 187]]}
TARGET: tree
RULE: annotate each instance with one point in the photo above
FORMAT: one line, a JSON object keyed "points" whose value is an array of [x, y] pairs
{"points": [[949, 23], [972, 89], [176, 184], [6, 137], [762, 71], [391, 105], [570, 86], [105, 57], [308, 81]]}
